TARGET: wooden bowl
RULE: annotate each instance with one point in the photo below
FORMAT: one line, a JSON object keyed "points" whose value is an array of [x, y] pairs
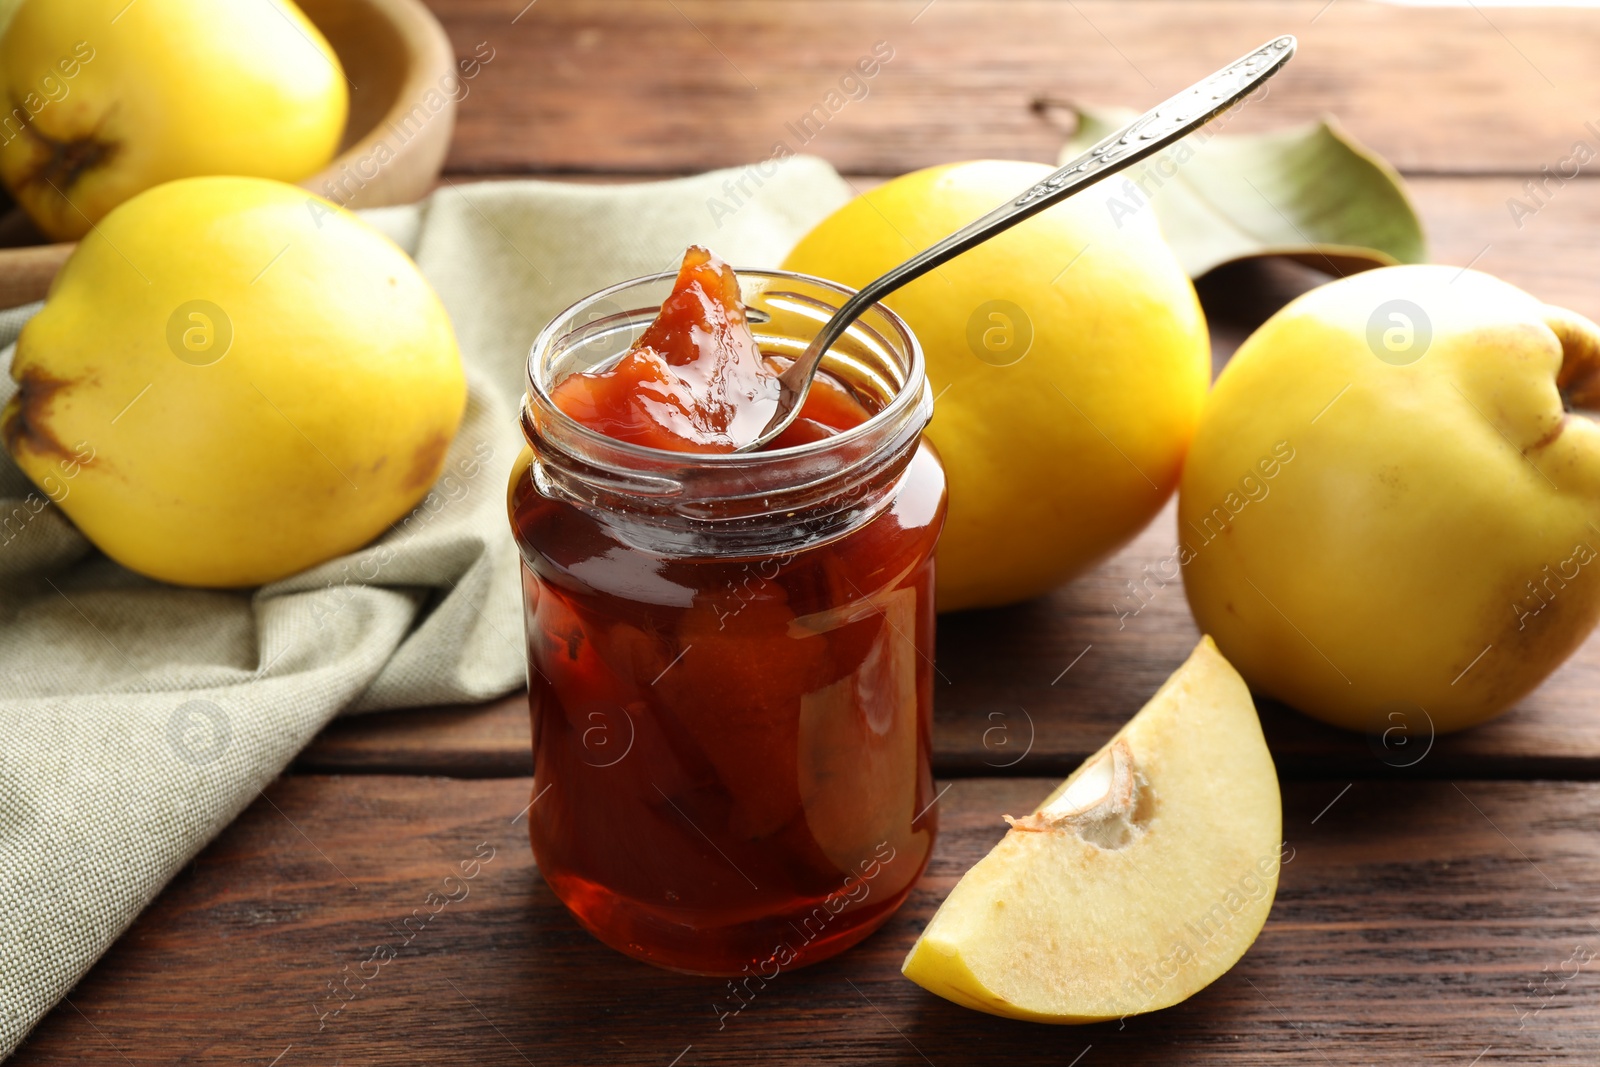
{"points": [[394, 52]]}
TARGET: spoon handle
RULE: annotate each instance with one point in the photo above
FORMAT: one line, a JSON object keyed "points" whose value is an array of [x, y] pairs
{"points": [[1141, 138], [1144, 136]]}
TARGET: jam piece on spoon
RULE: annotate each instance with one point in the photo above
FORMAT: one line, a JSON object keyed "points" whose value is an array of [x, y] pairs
{"points": [[696, 381]]}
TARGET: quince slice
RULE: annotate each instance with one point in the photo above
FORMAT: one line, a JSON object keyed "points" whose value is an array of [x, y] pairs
{"points": [[1138, 882]]}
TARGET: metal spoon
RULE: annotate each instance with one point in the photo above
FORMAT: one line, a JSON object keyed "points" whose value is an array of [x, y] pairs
{"points": [[1149, 133]]}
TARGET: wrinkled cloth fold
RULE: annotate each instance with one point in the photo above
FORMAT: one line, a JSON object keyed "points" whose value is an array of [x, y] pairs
{"points": [[138, 719]]}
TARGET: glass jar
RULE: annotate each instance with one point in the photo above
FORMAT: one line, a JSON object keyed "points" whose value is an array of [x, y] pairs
{"points": [[730, 656]]}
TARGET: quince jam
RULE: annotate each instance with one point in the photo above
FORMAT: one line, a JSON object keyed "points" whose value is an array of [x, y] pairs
{"points": [[731, 746], [695, 381]]}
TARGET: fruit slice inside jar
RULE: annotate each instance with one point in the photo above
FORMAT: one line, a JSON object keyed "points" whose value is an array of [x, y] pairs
{"points": [[697, 381]]}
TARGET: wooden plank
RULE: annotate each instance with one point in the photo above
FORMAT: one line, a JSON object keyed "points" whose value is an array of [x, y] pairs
{"points": [[1542, 242], [1552, 253], [1016, 674], [650, 87], [493, 740], [1020, 700], [1417, 923], [1543, 246], [1001, 662]]}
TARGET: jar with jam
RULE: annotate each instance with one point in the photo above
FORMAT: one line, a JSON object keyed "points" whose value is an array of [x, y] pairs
{"points": [[730, 654]]}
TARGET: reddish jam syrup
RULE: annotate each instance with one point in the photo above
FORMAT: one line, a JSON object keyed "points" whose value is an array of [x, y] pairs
{"points": [[695, 380], [731, 755]]}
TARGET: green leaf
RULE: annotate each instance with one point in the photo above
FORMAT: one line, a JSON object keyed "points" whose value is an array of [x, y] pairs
{"points": [[1311, 193]]}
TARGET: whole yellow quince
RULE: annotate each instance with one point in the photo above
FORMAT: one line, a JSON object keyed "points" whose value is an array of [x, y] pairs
{"points": [[234, 380], [109, 98], [1068, 356], [1388, 517]]}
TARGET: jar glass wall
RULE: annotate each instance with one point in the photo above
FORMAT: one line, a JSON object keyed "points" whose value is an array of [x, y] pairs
{"points": [[730, 656]]}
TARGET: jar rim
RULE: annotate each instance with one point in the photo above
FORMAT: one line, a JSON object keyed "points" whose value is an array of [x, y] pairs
{"points": [[905, 398]]}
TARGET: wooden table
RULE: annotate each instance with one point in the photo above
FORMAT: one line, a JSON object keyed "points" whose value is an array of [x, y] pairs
{"points": [[1440, 913]]}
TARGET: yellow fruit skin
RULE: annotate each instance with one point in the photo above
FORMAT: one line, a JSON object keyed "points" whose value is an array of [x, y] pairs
{"points": [[126, 96], [1052, 929], [325, 420], [1385, 576], [1058, 458]]}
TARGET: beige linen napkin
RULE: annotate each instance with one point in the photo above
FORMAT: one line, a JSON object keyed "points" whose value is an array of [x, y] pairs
{"points": [[137, 719]]}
